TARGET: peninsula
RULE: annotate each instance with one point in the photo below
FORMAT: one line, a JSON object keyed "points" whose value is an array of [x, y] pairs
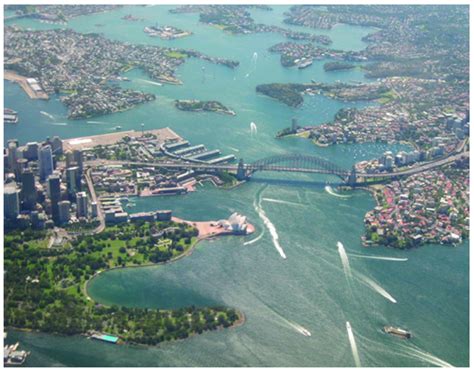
{"points": [[82, 67], [198, 106], [50, 295], [237, 19]]}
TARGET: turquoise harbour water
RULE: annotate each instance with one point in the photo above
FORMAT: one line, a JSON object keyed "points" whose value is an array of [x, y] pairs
{"points": [[308, 289]]}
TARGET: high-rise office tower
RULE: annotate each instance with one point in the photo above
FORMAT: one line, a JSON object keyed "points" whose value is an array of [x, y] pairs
{"points": [[78, 159], [64, 214], [81, 199], [72, 180], [11, 201], [45, 158], [28, 190], [54, 190]]}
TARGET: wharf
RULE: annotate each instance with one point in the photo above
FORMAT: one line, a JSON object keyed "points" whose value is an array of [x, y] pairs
{"points": [[22, 81], [81, 143]]}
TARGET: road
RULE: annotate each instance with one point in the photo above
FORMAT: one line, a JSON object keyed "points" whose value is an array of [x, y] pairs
{"points": [[461, 151], [100, 214]]}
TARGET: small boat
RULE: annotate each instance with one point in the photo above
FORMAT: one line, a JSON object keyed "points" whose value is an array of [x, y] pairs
{"points": [[303, 331], [118, 128], [130, 204], [397, 331]]}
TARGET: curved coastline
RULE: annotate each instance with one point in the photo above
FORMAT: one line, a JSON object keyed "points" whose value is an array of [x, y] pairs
{"points": [[241, 316]]}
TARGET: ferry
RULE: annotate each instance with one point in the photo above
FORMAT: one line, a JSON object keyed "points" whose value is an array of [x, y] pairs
{"points": [[10, 116], [397, 331]]}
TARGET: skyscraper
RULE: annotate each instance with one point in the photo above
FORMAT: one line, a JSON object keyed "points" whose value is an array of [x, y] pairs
{"points": [[45, 158], [28, 190], [64, 214], [11, 201], [81, 199], [78, 159], [12, 156], [57, 145], [72, 180], [54, 190], [69, 159]]}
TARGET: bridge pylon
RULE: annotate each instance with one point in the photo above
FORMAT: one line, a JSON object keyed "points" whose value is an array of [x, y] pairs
{"points": [[352, 179], [241, 174]]}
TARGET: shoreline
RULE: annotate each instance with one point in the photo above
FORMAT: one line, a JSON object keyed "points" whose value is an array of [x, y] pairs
{"points": [[14, 77], [239, 322]]}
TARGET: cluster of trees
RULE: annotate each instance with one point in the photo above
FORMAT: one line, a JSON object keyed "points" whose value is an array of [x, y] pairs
{"points": [[285, 93], [43, 289]]}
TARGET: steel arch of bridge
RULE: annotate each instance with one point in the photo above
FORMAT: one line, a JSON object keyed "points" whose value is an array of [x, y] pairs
{"points": [[297, 162]]}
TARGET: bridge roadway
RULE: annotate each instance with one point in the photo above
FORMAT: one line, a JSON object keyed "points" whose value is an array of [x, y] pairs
{"points": [[279, 168]]}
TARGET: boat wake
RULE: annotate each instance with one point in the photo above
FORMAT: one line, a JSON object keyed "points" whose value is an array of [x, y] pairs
{"points": [[281, 202], [300, 329], [417, 353], [97, 122], [344, 259], [329, 190], [47, 115], [234, 149], [150, 82], [253, 128], [377, 288], [355, 352], [379, 258], [255, 239], [59, 123], [270, 226]]}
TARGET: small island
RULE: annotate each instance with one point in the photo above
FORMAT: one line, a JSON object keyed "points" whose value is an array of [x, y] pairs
{"points": [[337, 66], [197, 106], [166, 32]]}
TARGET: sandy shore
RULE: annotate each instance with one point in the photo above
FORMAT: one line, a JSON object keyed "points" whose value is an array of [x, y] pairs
{"points": [[21, 80]]}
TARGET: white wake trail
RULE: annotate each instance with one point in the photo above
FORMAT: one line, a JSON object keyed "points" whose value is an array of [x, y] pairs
{"points": [[344, 259], [47, 115], [234, 149], [150, 82], [377, 288], [255, 239], [58, 123], [379, 258], [355, 352], [97, 122], [253, 128], [329, 190], [271, 228], [425, 356], [281, 202]]}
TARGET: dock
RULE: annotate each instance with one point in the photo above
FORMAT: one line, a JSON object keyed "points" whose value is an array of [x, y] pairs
{"points": [[221, 159], [189, 150], [29, 85]]}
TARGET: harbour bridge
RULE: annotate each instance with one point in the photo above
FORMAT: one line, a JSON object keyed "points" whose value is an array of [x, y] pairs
{"points": [[292, 163]]}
